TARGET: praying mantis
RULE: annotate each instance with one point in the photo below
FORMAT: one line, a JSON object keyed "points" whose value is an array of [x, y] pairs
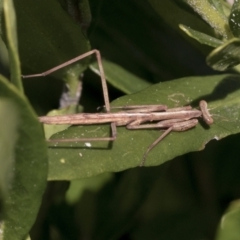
{"points": [[132, 116]]}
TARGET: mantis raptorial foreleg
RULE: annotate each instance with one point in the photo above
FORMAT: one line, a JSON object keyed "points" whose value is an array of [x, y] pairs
{"points": [[205, 113], [177, 127]]}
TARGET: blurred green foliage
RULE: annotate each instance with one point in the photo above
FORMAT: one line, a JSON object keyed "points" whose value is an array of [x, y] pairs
{"points": [[142, 45]]}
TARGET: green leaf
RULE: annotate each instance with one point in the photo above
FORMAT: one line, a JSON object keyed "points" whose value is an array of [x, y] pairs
{"points": [[79, 11], [163, 8], [49, 37], [77, 160], [218, 4], [11, 39], [234, 19], [227, 6], [201, 37], [4, 58], [9, 135], [211, 15], [28, 156], [120, 78], [229, 226], [226, 56]]}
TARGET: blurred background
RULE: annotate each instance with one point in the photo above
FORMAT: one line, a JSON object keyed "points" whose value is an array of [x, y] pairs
{"points": [[181, 199]]}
